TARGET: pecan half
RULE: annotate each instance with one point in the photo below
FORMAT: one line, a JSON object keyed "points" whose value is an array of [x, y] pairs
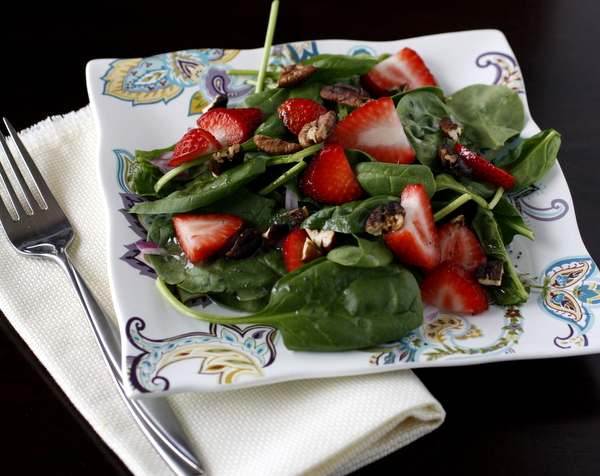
{"points": [[276, 233], [275, 146], [297, 216], [454, 161], [450, 129], [490, 273], [318, 130], [223, 160], [244, 244], [295, 74], [346, 94], [385, 218]]}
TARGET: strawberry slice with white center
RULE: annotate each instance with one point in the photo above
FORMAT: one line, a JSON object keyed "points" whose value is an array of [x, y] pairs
{"points": [[203, 235], [451, 288], [459, 243], [484, 170], [193, 145], [405, 67], [231, 125], [329, 178], [375, 128], [416, 242]]}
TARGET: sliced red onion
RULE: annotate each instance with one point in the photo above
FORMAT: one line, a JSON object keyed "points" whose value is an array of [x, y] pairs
{"points": [[162, 163], [150, 248], [291, 200]]}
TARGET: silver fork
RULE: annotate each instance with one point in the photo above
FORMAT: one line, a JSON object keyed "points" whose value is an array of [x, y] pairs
{"points": [[44, 231]]}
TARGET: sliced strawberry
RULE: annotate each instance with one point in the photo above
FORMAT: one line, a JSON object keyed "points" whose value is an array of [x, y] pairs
{"points": [[193, 145], [203, 235], [484, 170], [295, 112], [329, 177], [459, 243], [405, 67], [451, 288], [231, 125], [417, 241], [292, 249], [375, 128]]}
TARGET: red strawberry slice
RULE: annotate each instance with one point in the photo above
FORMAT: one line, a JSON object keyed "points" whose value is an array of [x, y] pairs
{"points": [[375, 128], [451, 288], [417, 241], [405, 67], [193, 145], [329, 177], [292, 249], [203, 235], [459, 243], [484, 170], [295, 112], [231, 125]]}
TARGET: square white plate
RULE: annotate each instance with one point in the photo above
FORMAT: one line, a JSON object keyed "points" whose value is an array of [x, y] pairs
{"points": [[148, 103]]}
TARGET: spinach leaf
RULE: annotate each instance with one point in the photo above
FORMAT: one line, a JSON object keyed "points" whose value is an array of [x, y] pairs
{"points": [[243, 279], [200, 193], [448, 182], [367, 253], [347, 218], [269, 100], [420, 114], [258, 212], [490, 115], [333, 68], [532, 158], [378, 178], [510, 222], [511, 292]]}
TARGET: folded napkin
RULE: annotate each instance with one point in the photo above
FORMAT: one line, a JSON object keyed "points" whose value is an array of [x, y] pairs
{"points": [[328, 426]]}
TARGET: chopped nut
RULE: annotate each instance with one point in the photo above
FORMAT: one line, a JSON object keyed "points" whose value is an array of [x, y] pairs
{"points": [[297, 216], [318, 130], [310, 251], [244, 244], [346, 94], [323, 239], [226, 159], [219, 101], [385, 218], [490, 273], [454, 161], [450, 129], [295, 74], [276, 233], [275, 146]]}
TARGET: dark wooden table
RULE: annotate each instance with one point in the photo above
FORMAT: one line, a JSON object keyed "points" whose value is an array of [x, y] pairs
{"points": [[525, 417]]}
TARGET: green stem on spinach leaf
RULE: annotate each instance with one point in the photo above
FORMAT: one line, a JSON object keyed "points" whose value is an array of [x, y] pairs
{"points": [[252, 72], [296, 156], [177, 304], [464, 198], [283, 178], [268, 43], [496, 198]]}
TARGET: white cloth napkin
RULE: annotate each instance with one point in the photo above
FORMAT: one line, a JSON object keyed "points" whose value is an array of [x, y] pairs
{"points": [[311, 427]]}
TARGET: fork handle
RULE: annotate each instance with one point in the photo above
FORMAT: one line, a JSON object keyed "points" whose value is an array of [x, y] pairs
{"points": [[154, 416]]}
